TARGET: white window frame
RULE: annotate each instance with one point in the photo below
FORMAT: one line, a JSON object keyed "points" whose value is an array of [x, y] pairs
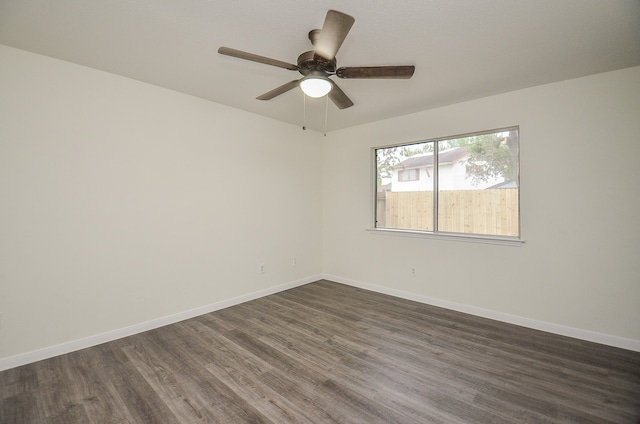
{"points": [[441, 235]]}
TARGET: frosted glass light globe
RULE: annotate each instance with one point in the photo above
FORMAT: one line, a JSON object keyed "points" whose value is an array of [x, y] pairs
{"points": [[315, 86]]}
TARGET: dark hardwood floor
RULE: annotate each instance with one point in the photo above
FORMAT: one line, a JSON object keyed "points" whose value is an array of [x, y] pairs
{"points": [[330, 353]]}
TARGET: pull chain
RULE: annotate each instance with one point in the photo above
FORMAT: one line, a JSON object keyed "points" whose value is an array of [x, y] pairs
{"points": [[326, 112], [304, 111]]}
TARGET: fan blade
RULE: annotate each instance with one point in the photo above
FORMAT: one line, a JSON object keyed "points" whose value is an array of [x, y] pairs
{"points": [[338, 97], [256, 58], [280, 90], [334, 30], [404, 72]]}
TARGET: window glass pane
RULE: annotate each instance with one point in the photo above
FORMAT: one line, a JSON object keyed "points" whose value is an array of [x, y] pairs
{"points": [[404, 188], [463, 185], [478, 184]]}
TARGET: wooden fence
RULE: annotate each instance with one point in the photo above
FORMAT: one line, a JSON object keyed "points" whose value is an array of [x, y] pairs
{"points": [[493, 212]]}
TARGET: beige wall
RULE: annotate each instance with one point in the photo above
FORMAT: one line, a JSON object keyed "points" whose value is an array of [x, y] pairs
{"points": [[121, 202], [580, 203]]}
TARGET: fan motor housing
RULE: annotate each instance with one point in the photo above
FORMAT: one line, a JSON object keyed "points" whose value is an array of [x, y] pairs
{"points": [[309, 62]]}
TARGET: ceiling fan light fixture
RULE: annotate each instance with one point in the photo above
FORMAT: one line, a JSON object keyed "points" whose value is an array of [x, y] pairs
{"points": [[316, 86], [318, 64]]}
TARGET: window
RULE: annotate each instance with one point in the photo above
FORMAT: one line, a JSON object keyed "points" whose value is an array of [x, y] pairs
{"points": [[409, 175], [465, 185]]}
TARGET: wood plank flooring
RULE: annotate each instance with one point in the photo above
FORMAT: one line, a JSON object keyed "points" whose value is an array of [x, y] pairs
{"points": [[330, 353]]}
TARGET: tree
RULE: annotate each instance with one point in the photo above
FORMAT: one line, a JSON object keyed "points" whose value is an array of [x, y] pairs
{"points": [[492, 156], [389, 157], [386, 159]]}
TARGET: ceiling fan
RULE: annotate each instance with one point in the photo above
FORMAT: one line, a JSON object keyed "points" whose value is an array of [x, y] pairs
{"points": [[319, 64]]}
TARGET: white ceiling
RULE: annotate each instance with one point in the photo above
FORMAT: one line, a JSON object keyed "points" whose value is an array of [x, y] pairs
{"points": [[462, 49]]}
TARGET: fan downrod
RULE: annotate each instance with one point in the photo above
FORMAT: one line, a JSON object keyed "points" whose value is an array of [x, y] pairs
{"points": [[313, 36]]}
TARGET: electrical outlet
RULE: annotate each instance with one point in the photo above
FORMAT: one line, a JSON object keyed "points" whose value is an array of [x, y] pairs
{"points": [[413, 271], [261, 268]]}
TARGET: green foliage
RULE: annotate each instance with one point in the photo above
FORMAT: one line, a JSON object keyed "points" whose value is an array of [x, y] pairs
{"points": [[492, 156], [389, 157], [386, 159]]}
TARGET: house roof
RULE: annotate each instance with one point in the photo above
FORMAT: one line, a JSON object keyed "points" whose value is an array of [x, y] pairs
{"points": [[505, 184], [384, 187], [419, 161]]}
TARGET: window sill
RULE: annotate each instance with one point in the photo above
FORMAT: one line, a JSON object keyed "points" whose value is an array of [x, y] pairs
{"points": [[503, 241]]}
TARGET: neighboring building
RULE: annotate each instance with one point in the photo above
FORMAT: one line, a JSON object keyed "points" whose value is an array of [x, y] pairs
{"points": [[416, 173], [384, 187]]}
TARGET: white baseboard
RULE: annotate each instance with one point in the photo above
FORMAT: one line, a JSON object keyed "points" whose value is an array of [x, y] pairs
{"points": [[48, 352], [576, 333], [61, 349]]}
